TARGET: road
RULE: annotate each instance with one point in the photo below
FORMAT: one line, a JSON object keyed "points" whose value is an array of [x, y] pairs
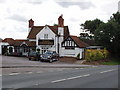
{"points": [[92, 77]]}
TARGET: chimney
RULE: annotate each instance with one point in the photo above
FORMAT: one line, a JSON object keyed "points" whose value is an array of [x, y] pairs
{"points": [[61, 21], [31, 23]]}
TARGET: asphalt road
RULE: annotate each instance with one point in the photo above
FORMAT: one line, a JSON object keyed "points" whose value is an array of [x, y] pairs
{"points": [[92, 77]]}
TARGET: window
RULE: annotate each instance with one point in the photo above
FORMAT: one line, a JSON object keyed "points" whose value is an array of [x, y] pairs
{"points": [[45, 36], [70, 48]]}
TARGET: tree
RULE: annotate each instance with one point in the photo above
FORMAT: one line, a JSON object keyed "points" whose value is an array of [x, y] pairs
{"points": [[91, 25], [108, 35], [116, 17]]}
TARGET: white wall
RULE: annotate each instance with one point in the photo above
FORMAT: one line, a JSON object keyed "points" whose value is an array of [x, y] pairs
{"points": [[51, 35], [72, 53]]}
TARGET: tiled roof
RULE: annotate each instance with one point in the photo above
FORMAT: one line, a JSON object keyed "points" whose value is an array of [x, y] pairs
{"points": [[36, 29], [79, 42], [18, 42], [8, 40]]}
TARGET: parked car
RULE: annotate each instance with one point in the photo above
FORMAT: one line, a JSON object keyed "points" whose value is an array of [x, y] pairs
{"points": [[49, 56], [33, 56]]}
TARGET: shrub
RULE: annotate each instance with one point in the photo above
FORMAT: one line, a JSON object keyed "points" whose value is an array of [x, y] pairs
{"points": [[93, 55]]}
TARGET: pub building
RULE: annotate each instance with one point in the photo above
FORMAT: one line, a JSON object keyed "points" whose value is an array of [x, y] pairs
{"points": [[54, 38]]}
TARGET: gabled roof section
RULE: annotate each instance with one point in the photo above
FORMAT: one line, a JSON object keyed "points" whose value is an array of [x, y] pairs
{"points": [[10, 41], [36, 29], [77, 40]]}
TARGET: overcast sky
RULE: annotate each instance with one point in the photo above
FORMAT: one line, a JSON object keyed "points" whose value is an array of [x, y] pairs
{"points": [[14, 14]]}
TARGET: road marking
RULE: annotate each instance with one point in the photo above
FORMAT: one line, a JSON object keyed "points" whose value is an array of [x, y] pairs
{"points": [[76, 68], [30, 72], [14, 73], [70, 78], [78, 76], [58, 80], [74, 77], [36, 84], [0, 75], [108, 71]]}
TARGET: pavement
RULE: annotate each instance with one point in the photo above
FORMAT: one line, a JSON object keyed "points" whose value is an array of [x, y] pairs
{"points": [[20, 62]]}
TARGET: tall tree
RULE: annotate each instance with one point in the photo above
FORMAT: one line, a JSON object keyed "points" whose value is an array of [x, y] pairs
{"points": [[91, 25], [108, 35]]}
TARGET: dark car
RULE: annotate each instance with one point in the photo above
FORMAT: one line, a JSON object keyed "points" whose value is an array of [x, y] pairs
{"points": [[33, 56], [49, 56]]}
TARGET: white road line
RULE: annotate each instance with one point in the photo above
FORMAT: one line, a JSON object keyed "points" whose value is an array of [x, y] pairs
{"points": [[86, 75], [36, 84], [14, 73], [74, 77], [58, 80], [0, 75], [70, 78], [107, 71], [30, 72]]}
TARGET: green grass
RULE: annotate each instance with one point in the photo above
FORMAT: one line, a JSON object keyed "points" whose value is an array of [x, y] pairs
{"points": [[112, 62]]}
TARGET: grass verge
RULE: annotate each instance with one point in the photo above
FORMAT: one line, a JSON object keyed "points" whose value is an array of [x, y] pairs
{"points": [[113, 61]]}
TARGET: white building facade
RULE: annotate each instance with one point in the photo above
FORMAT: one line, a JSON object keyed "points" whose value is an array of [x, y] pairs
{"points": [[53, 37]]}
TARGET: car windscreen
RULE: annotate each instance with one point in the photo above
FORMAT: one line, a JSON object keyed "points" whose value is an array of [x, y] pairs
{"points": [[49, 52], [32, 53]]}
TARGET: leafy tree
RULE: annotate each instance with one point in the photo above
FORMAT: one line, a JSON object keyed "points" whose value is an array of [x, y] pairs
{"points": [[108, 35], [116, 17], [91, 25]]}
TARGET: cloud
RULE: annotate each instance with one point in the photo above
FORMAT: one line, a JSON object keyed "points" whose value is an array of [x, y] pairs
{"points": [[2, 1], [82, 5], [32, 1], [17, 18]]}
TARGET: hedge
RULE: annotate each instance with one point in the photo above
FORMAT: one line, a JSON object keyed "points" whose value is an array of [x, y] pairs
{"points": [[94, 55]]}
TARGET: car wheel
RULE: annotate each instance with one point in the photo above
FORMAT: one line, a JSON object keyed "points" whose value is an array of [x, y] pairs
{"points": [[50, 61], [29, 58]]}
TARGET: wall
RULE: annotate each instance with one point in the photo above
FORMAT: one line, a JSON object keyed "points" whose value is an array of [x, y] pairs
{"points": [[51, 35], [72, 53]]}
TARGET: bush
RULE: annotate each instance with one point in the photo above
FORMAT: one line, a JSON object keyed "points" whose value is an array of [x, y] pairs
{"points": [[94, 55]]}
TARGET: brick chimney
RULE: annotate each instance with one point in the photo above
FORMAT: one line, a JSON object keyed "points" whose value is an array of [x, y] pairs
{"points": [[31, 23], [61, 21]]}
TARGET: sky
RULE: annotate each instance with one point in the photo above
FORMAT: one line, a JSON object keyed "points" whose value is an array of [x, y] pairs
{"points": [[14, 14]]}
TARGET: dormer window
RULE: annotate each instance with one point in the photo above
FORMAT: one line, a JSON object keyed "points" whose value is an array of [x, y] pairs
{"points": [[45, 36]]}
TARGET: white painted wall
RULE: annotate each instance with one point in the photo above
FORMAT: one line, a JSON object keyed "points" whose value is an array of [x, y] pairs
{"points": [[51, 35], [72, 53]]}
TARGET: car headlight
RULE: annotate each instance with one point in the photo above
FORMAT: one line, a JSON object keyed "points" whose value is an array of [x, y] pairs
{"points": [[49, 56]]}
